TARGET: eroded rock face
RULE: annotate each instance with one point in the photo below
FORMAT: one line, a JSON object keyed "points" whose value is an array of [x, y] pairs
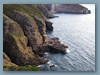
{"points": [[29, 27], [25, 38], [53, 46], [15, 45]]}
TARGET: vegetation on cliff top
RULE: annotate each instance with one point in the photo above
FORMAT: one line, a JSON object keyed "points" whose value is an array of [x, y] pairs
{"points": [[21, 68], [29, 9]]}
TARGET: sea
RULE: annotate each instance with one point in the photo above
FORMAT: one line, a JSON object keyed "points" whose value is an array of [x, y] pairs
{"points": [[77, 31]]}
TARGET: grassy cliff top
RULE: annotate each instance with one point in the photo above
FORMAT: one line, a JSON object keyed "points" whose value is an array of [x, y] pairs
{"points": [[31, 10]]}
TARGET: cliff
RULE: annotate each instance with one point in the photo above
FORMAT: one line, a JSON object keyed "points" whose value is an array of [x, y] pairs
{"points": [[68, 8], [15, 44], [22, 34], [25, 40]]}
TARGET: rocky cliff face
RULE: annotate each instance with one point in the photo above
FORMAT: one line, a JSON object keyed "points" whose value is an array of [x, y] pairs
{"points": [[24, 31], [15, 44], [29, 26]]}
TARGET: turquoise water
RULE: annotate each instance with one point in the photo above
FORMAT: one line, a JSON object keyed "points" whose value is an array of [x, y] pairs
{"points": [[78, 32]]}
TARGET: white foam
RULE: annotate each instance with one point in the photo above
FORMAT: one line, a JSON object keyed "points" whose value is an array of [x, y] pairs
{"points": [[40, 66], [46, 53], [49, 63], [68, 51]]}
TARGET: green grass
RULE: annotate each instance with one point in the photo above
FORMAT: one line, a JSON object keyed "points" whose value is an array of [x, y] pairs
{"points": [[22, 68], [29, 9]]}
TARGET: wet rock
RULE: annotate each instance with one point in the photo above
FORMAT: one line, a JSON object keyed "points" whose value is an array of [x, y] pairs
{"points": [[49, 26], [42, 49], [52, 65], [55, 46]]}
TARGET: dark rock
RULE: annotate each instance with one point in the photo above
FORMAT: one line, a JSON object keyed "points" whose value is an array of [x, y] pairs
{"points": [[89, 11], [55, 46], [86, 12], [49, 26], [42, 49], [52, 65]]}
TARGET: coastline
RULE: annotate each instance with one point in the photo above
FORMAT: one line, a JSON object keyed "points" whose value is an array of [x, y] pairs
{"points": [[25, 38]]}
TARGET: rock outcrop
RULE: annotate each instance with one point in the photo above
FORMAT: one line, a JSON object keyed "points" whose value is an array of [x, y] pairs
{"points": [[15, 45], [49, 26], [52, 46], [55, 46]]}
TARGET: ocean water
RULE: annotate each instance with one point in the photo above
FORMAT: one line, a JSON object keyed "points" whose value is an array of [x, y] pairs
{"points": [[77, 31]]}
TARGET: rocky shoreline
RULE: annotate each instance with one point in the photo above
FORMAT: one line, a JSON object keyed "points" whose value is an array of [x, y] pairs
{"points": [[25, 39]]}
